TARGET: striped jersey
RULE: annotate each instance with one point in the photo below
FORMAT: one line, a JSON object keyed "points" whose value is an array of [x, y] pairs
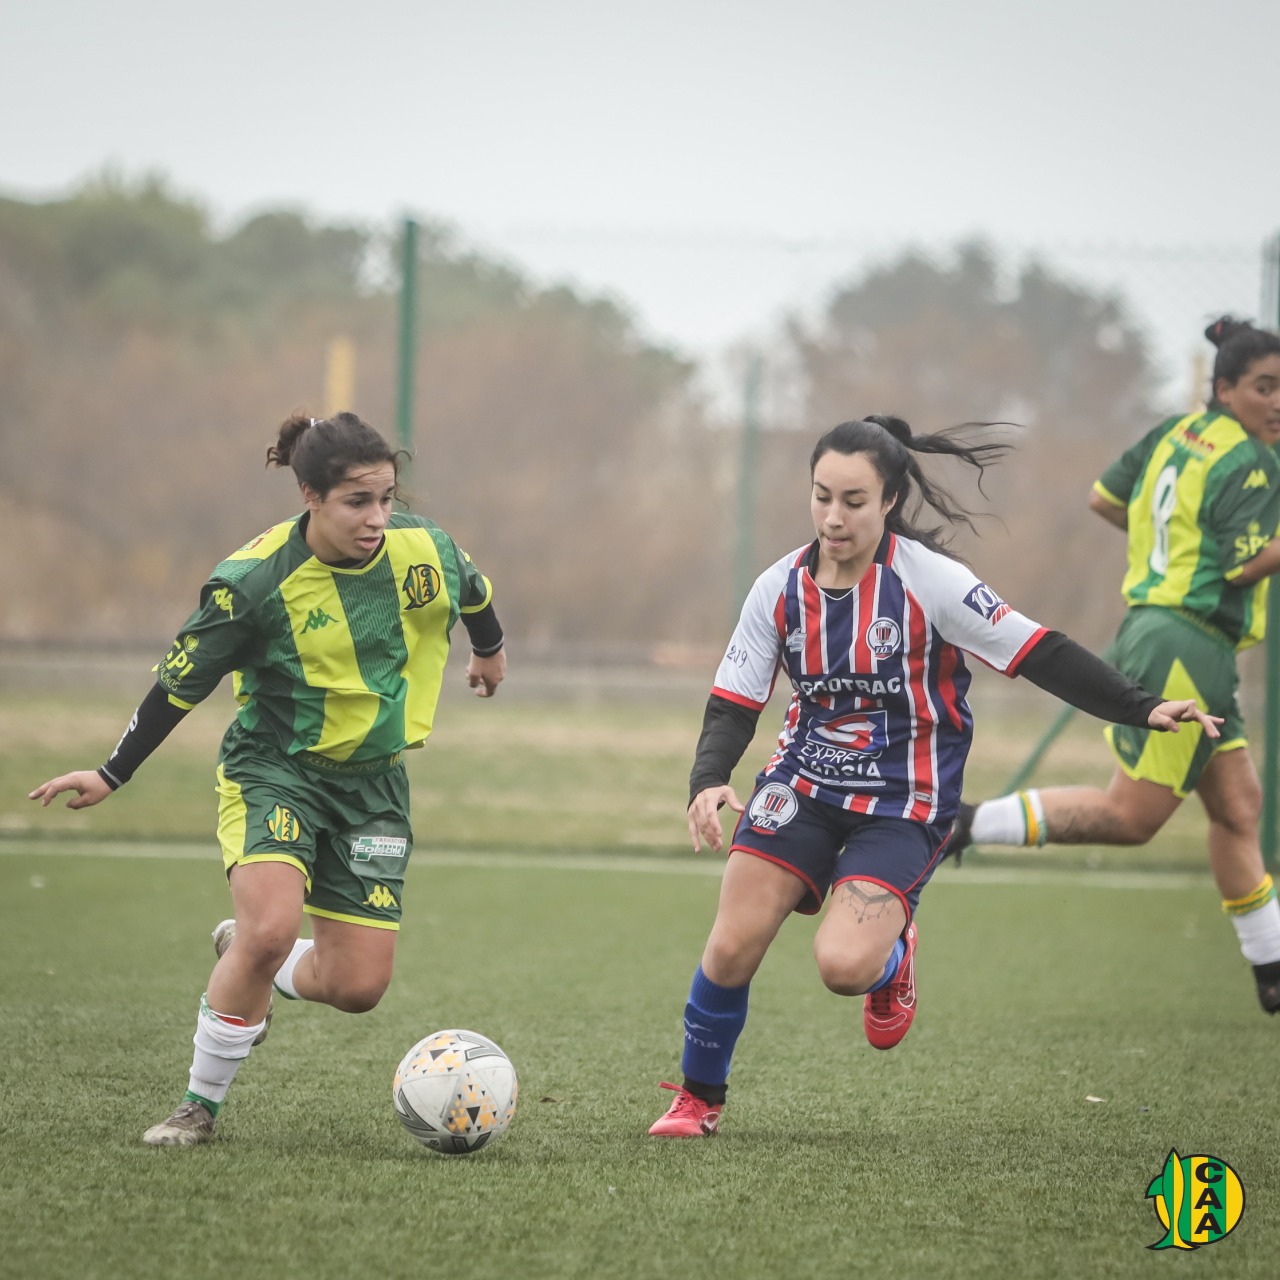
{"points": [[343, 663], [1203, 498], [878, 721]]}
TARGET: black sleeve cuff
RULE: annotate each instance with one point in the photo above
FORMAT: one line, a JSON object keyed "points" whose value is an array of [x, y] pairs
{"points": [[484, 630], [153, 721], [727, 730], [1069, 671]]}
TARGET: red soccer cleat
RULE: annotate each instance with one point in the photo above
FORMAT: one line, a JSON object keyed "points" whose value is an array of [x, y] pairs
{"points": [[887, 1013], [688, 1117]]}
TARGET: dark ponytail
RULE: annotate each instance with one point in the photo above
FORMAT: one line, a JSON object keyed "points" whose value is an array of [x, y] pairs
{"points": [[1239, 345], [892, 449], [322, 451]]}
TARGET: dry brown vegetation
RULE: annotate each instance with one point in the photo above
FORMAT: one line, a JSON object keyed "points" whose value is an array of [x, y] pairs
{"points": [[148, 358]]}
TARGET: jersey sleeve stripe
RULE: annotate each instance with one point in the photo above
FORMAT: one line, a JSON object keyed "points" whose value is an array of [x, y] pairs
{"points": [[1032, 641], [728, 696], [1103, 492]]}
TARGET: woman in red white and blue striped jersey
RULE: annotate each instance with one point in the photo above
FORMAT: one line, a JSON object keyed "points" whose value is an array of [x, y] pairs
{"points": [[870, 622]]}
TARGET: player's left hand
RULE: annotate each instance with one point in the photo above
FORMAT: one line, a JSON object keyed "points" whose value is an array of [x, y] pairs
{"points": [[484, 675], [1168, 714]]}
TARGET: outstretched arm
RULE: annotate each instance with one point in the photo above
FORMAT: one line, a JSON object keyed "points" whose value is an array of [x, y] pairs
{"points": [[156, 717], [1060, 666]]}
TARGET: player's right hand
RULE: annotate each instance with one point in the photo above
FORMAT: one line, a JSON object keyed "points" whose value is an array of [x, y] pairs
{"points": [[704, 816], [88, 784]]}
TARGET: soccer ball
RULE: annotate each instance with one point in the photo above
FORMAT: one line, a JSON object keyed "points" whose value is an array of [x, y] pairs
{"points": [[455, 1091]]}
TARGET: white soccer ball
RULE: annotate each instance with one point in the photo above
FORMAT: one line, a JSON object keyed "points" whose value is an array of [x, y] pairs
{"points": [[455, 1091]]}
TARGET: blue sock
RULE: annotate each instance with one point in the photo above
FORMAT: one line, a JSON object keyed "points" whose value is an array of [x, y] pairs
{"points": [[713, 1020], [891, 966]]}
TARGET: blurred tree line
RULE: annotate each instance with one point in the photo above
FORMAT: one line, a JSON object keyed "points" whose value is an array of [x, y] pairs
{"points": [[149, 354]]}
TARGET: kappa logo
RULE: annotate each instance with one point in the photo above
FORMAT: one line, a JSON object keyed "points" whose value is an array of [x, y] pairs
{"points": [[284, 827], [773, 806], [1199, 1199], [884, 637], [365, 847], [316, 619], [222, 598], [1256, 479], [381, 897], [421, 585], [982, 600]]}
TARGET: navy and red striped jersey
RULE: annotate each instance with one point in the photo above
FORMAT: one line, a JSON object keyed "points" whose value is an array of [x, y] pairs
{"points": [[878, 721]]}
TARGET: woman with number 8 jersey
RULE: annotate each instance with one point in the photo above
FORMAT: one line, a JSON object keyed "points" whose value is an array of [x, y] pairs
{"points": [[335, 626], [869, 622], [1199, 499]]}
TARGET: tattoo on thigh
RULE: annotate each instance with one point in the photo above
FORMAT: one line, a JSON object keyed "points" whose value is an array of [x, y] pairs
{"points": [[870, 902]]}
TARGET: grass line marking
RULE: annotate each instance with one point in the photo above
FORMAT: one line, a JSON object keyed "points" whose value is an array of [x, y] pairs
{"points": [[711, 865]]}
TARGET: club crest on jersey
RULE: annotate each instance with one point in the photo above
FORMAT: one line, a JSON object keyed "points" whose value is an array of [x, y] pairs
{"points": [[983, 601], [421, 585], [884, 637], [773, 806]]}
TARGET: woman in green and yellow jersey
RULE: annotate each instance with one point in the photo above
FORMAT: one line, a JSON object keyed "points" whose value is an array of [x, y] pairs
{"points": [[1199, 498], [334, 626]]}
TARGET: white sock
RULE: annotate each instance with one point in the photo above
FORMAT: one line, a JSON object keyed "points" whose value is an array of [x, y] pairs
{"points": [[283, 981], [1258, 928], [1014, 819], [221, 1047]]}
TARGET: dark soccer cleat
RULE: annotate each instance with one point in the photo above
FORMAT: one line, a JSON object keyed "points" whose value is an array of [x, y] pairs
{"points": [[961, 837], [887, 1013], [1267, 976], [688, 1117], [190, 1125], [223, 936]]}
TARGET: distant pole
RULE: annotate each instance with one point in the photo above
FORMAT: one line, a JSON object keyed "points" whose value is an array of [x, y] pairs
{"points": [[408, 333], [749, 448], [1271, 717], [339, 376]]}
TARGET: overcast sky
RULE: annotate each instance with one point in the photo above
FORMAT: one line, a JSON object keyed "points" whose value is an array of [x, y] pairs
{"points": [[707, 162]]}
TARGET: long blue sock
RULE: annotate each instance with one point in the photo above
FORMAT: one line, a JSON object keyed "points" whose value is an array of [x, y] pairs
{"points": [[713, 1020], [891, 965]]}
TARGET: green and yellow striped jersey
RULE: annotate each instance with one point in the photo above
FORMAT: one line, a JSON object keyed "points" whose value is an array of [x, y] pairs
{"points": [[343, 663], [1203, 498]]}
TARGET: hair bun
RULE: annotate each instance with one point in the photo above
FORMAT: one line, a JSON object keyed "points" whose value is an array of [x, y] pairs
{"points": [[896, 427], [1225, 328]]}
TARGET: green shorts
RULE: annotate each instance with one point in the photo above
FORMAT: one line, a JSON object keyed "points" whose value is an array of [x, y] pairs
{"points": [[1171, 654], [347, 831]]}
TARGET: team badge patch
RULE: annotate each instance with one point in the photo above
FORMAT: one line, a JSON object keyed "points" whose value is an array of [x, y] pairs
{"points": [[773, 806], [884, 637], [983, 601], [421, 585]]}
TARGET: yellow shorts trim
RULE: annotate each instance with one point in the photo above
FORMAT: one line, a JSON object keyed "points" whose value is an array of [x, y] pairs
{"points": [[244, 859], [393, 925]]}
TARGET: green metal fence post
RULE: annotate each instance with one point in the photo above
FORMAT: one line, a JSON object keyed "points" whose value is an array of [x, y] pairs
{"points": [[1271, 716], [408, 335], [749, 448]]}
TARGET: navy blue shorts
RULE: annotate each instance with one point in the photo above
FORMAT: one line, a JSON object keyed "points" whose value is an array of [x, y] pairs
{"points": [[825, 846]]}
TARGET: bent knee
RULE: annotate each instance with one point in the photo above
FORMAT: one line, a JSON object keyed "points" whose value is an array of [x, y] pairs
{"points": [[850, 975], [358, 998]]}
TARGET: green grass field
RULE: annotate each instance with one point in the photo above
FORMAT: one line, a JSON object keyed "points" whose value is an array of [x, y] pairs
{"points": [[556, 911]]}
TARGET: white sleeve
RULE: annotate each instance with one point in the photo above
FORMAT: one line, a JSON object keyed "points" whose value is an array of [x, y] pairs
{"points": [[965, 611], [750, 663]]}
